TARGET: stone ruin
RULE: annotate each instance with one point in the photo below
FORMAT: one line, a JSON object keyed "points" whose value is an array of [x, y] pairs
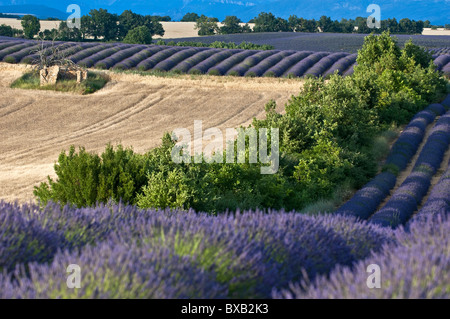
{"points": [[50, 75]]}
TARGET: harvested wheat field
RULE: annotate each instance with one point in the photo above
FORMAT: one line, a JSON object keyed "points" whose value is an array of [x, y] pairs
{"points": [[35, 126]]}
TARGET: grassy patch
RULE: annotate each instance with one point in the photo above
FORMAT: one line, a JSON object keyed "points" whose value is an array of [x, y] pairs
{"points": [[93, 83]]}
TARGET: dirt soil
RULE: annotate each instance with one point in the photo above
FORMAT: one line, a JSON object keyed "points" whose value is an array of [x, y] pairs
{"points": [[35, 126]]}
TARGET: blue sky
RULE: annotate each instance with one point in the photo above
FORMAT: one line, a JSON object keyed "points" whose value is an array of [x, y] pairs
{"points": [[437, 11]]}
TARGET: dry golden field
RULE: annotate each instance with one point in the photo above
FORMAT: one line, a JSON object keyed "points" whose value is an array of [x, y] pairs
{"points": [[35, 126]]}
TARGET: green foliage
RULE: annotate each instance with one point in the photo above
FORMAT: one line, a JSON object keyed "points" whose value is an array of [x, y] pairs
{"points": [[206, 26], [30, 25], [85, 178], [218, 45], [267, 22], [139, 35], [6, 31], [190, 17], [332, 136], [231, 25], [396, 83], [93, 83]]}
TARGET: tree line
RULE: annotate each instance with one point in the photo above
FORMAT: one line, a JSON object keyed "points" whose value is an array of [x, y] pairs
{"points": [[130, 27], [268, 22], [98, 25]]}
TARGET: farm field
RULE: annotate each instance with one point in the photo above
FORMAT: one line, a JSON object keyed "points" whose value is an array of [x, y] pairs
{"points": [[132, 109], [254, 63], [362, 174], [175, 249]]}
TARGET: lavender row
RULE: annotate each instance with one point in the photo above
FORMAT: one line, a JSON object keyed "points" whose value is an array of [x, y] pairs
{"points": [[324, 64], [416, 266], [172, 254], [438, 201], [94, 58], [365, 202], [300, 68], [19, 55], [14, 48], [409, 195], [79, 56], [222, 67], [65, 50], [153, 60], [281, 67], [186, 65], [173, 60], [241, 68], [115, 58], [441, 61], [7, 44], [135, 59], [341, 65], [264, 65], [407, 144], [446, 69], [205, 65]]}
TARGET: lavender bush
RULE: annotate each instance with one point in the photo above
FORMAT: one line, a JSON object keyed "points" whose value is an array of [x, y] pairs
{"points": [[115, 58], [190, 62], [324, 64], [341, 65], [222, 67], [194, 255], [14, 48], [94, 58], [135, 59], [176, 58], [416, 266], [441, 61], [79, 56], [153, 60], [281, 67], [243, 67], [438, 201], [205, 65], [262, 66], [301, 67]]}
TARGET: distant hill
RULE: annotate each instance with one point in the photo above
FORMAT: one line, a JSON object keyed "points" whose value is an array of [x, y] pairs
{"points": [[40, 11], [434, 10]]}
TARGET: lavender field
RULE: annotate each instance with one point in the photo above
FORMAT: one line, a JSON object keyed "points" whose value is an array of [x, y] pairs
{"points": [[273, 63], [135, 253]]}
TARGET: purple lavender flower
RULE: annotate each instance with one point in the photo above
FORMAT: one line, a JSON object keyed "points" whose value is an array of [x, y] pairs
{"points": [[415, 265], [281, 67], [304, 65], [260, 68]]}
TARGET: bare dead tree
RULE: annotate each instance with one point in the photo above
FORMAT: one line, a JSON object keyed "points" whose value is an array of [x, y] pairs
{"points": [[50, 53]]}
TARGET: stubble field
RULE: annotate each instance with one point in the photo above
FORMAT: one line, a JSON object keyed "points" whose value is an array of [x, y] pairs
{"points": [[35, 126]]}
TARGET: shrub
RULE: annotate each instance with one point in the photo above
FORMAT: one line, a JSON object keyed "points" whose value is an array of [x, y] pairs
{"points": [[139, 35], [84, 178]]}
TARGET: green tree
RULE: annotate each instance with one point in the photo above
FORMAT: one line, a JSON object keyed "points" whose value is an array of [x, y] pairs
{"points": [[68, 34], [104, 24], [6, 31], [30, 25], [190, 17], [206, 26], [267, 22], [326, 24], [231, 25], [139, 35]]}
